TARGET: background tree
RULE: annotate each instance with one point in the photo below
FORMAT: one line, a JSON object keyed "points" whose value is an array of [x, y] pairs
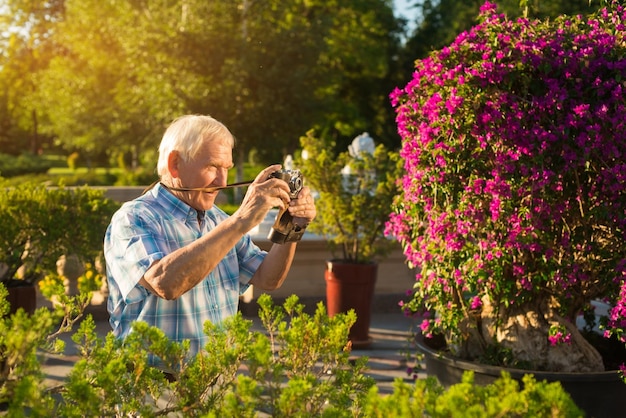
{"points": [[26, 47], [101, 91], [104, 78], [269, 69]]}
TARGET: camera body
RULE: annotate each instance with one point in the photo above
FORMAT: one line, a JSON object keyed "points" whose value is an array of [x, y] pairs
{"points": [[293, 178], [284, 229]]}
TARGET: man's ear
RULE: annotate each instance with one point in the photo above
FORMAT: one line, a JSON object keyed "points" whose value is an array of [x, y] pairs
{"points": [[173, 161]]}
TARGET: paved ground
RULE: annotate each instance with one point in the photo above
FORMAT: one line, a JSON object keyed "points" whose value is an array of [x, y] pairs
{"points": [[387, 354]]}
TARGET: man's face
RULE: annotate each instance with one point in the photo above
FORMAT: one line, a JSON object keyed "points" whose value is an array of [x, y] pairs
{"points": [[209, 168]]}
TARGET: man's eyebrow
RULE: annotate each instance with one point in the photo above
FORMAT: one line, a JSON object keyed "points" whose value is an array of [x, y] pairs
{"points": [[220, 165], [227, 167]]}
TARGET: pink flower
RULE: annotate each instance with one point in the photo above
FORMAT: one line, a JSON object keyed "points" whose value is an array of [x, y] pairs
{"points": [[514, 167], [476, 303]]}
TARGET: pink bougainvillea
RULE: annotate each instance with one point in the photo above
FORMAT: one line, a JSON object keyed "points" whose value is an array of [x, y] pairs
{"points": [[514, 149]]}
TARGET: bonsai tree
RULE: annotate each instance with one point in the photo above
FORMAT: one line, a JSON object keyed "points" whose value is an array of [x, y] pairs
{"points": [[513, 203], [355, 189], [38, 225]]}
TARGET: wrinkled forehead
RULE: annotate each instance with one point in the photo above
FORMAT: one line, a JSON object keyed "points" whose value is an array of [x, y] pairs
{"points": [[209, 141], [214, 152]]}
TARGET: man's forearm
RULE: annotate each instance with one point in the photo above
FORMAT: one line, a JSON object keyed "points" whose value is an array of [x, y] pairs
{"points": [[180, 271], [273, 271]]}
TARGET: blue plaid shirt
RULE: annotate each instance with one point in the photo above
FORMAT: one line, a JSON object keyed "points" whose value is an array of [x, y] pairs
{"points": [[146, 229]]}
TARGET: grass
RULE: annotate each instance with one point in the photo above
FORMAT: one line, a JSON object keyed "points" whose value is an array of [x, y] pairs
{"points": [[66, 171]]}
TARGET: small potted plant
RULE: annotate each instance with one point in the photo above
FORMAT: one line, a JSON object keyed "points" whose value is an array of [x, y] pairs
{"points": [[355, 189], [40, 225], [513, 203]]}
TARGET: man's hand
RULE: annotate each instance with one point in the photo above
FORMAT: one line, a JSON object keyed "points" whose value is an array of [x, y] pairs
{"points": [[263, 194], [303, 207]]}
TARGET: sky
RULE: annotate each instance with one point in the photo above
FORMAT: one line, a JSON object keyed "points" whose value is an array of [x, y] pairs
{"points": [[403, 8]]}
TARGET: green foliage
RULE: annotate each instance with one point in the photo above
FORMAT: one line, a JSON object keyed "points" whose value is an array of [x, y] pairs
{"points": [[503, 398], [250, 171], [23, 340], [299, 366], [103, 75], [72, 160], [499, 355], [11, 166], [39, 224], [138, 177], [110, 75], [352, 210]]}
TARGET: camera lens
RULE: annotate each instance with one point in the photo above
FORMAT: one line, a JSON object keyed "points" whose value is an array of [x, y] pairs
{"points": [[297, 184]]}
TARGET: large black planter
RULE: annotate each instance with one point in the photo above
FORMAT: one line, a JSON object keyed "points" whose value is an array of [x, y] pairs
{"points": [[600, 394]]}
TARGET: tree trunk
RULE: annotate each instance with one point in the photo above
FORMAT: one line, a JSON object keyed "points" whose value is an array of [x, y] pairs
{"points": [[524, 330], [237, 193], [34, 141]]}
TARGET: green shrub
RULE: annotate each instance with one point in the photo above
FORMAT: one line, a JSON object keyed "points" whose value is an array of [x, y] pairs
{"points": [[229, 208], [299, 366], [72, 160], [39, 224], [250, 171], [503, 398], [82, 177], [23, 340], [139, 177], [11, 166]]}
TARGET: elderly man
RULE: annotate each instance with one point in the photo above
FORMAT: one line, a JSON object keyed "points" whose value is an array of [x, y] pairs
{"points": [[175, 260]]}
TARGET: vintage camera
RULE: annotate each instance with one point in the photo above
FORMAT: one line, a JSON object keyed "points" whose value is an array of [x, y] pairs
{"points": [[284, 229]]}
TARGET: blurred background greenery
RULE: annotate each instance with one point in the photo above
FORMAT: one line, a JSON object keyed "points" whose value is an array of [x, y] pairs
{"points": [[87, 87]]}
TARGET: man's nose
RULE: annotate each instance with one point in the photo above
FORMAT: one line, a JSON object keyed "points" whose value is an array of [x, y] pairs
{"points": [[222, 178]]}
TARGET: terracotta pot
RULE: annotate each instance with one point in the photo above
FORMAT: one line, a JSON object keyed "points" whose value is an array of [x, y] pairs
{"points": [[351, 286], [599, 394], [23, 295]]}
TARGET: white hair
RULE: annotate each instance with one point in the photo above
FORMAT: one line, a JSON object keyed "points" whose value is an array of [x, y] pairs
{"points": [[186, 134]]}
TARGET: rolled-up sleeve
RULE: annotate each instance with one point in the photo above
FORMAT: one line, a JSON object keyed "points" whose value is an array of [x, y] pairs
{"points": [[130, 250]]}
